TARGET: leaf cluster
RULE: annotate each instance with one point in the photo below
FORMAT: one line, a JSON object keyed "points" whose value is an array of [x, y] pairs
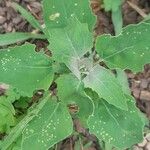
{"points": [[103, 98]]}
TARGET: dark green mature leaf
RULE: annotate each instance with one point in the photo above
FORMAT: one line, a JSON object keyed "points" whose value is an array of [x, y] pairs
{"points": [[11, 38], [52, 124], [129, 50], [23, 103], [27, 16], [120, 128], [71, 91], [57, 13], [25, 69], [106, 85], [70, 44]]}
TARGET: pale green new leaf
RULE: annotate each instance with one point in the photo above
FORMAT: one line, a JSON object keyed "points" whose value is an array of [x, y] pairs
{"points": [[112, 5], [129, 50], [69, 44], [106, 85], [27, 15], [11, 38], [73, 93], [24, 69], [117, 20], [116, 10], [57, 13], [52, 124], [119, 128]]}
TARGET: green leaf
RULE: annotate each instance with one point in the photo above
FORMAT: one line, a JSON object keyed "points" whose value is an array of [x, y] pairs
{"points": [[16, 145], [27, 16], [68, 45], [24, 69], [12, 94], [22, 103], [123, 80], [71, 91], [116, 11], [60, 68], [117, 20], [120, 128], [129, 50], [52, 124], [106, 85], [56, 13], [11, 38], [16, 132], [111, 5], [7, 113]]}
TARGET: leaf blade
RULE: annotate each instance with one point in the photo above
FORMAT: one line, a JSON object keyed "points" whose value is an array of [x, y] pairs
{"points": [[107, 118], [11, 38], [17, 130], [118, 51], [23, 65], [106, 85], [111, 5], [57, 15], [123, 80], [46, 128], [117, 20], [70, 44], [73, 93]]}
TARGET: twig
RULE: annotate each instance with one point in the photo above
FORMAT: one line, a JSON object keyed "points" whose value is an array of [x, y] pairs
{"points": [[71, 143], [137, 9], [34, 14]]}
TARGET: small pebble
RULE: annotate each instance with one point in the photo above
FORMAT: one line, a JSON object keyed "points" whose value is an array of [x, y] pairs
{"points": [[147, 147], [2, 19], [148, 137], [142, 144], [145, 95], [17, 20], [137, 148], [144, 84]]}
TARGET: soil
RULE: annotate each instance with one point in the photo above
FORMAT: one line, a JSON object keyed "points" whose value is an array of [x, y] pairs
{"points": [[11, 21]]}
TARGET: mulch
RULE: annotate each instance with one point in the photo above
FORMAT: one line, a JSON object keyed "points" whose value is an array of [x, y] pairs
{"points": [[11, 21]]}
